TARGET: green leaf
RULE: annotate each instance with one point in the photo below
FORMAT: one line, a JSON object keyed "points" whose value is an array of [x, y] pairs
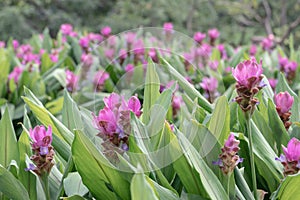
{"points": [[4, 66], [187, 87], [219, 124], [288, 189], [26, 177], [8, 143], [73, 185], [71, 116], [47, 41], [10, 186], [151, 92], [142, 188], [96, 171]]}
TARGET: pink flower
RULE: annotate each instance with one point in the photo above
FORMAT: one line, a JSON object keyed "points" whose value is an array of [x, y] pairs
{"points": [[213, 64], [284, 102], [153, 55], [129, 67], [291, 66], [292, 151], [106, 121], [283, 62], [134, 105], [248, 73], [213, 34], [168, 27], [2, 44], [54, 57], [273, 82], [123, 54], [100, 78], [15, 44], [199, 37], [209, 84], [109, 54], [66, 29], [71, 81], [87, 60], [15, 74], [41, 138], [112, 101], [138, 47], [106, 31], [94, 37], [291, 158], [176, 103], [252, 50], [84, 42], [228, 159], [130, 37], [267, 42]]}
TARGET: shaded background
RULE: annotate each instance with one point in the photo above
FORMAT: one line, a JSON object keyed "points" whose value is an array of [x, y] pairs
{"points": [[238, 20]]}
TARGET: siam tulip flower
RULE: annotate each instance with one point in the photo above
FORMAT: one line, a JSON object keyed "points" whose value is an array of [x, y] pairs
{"points": [[66, 29], [87, 61], [203, 51], [229, 159], [213, 35], [109, 54], [2, 44], [210, 85], [199, 37], [284, 102], [130, 37], [99, 79], [113, 122], [129, 67], [291, 157], [176, 104], [122, 56], [283, 62], [267, 43], [54, 57], [94, 37], [43, 157], [222, 51], [15, 44], [84, 42], [153, 55], [252, 50], [248, 75], [228, 69], [106, 31], [273, 82], [71, 81], [15, 74], [213, 65], [168, 28]]}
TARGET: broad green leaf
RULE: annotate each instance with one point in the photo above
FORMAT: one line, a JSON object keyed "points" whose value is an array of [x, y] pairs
{"points": [[187, 87], [73, 185], [10, 186], [26, 178], [71, 116], [219, 124], [8, 143], [4, 66], [151, 92], [288, 189], [96, 171], [210, 182], [141, 187], [242, 185]]}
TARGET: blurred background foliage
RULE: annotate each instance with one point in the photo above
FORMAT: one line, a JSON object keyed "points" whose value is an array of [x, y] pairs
{"points": [[238, 20]]}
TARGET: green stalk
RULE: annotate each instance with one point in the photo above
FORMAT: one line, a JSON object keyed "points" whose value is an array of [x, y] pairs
{"points": [[45, 183], [253, 174], [228, 183]]}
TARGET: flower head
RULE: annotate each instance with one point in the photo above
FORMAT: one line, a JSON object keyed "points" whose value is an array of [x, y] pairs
{"points": [[99, 79], [248, 73], [168, 27], [71, 81], [199, 37], [209, 84], [41, 138], [291, 158], [228, 159], [106, 31], [66, 29], [213, 34], [252, 50], [284, 102], [15, 74], [267, 43]]}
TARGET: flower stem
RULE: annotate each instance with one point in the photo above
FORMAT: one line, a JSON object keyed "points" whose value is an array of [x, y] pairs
{"points": [[253, 174], [45, 183], [228, 184]]}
